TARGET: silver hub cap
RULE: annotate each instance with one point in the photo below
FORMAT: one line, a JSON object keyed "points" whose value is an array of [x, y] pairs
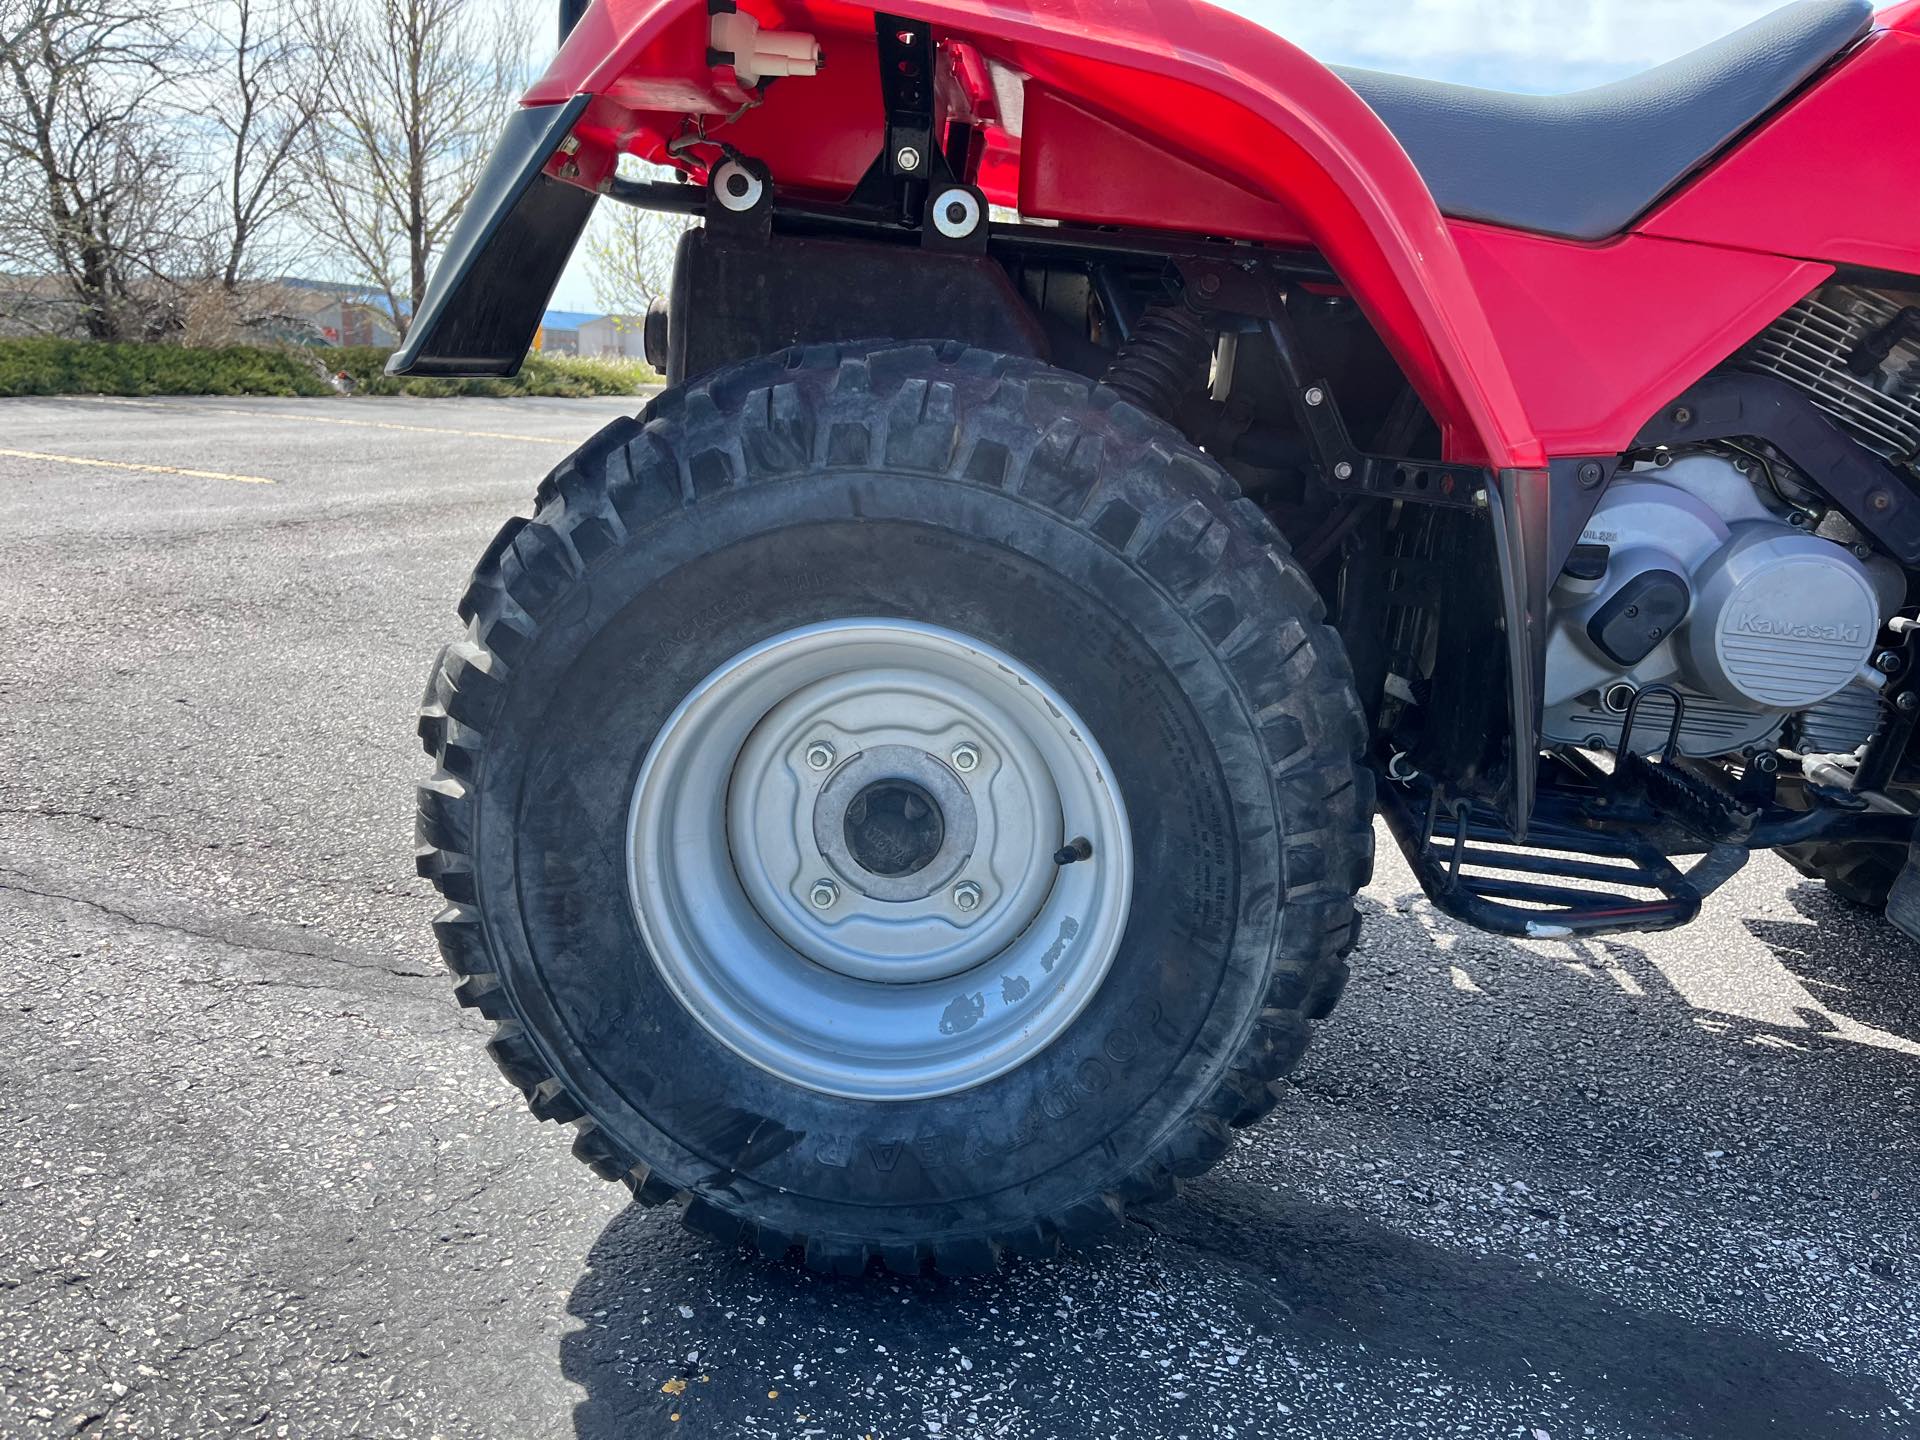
{"points": [[844, 859]]}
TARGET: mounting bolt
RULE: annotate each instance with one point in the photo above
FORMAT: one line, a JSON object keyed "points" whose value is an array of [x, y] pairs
{"points": [[819, 757], [1343, 471], [1887, 661], [1315, 395], [1863, 552], [1907, 701], [1590, 474], [907, 158], [1480, 500], [1766, 764], [966, 895], [1880, 500], [823, 894], [966, 759], [1682, 415]]}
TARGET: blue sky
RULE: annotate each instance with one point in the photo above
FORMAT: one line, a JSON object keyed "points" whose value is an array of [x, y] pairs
{"points": [[1545, 46]]}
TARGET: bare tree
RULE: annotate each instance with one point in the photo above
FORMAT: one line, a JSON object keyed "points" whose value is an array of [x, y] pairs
{"points": [[414, 98], [94, 194], [264, 90], [629, 255]]}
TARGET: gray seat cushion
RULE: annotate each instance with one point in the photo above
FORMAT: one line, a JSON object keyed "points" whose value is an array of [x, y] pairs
{"points": [[1586, 165]]}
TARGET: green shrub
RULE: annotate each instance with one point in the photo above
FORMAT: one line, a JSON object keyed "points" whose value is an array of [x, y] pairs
{"points": [[74, 367], [558, 375], [77, 367]]}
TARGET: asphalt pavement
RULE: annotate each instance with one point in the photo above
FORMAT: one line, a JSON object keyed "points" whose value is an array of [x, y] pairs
{"points": [[257, 1177]]}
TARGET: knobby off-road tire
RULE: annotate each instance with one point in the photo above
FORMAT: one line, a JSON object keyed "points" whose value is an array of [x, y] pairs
{"points": [[938, 486], [1860, 874]]}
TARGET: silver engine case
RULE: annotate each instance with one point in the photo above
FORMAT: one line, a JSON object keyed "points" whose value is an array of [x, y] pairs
{"points": [[1779, 621]]}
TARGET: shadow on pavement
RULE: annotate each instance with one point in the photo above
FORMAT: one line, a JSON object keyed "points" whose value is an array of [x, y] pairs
{"points": [[1851, 959], [1331, 1289], [1314, 1278]]}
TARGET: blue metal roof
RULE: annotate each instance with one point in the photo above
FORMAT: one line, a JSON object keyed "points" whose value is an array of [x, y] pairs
{"points": [[566, 319]]}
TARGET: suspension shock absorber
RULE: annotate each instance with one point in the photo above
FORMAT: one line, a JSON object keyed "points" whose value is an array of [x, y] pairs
{"points": [[1164, 359]]}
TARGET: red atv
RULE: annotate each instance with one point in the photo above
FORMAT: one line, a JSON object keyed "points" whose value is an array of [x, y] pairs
{"points": [[902, 795]]}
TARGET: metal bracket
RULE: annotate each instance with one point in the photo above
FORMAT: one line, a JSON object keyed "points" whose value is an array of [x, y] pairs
{"points": [[1344, 467], [1721, 407], [1881, 763], [906, 91], [740, 199]]}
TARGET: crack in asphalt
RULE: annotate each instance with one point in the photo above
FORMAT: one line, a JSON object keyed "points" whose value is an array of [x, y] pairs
{"points": [[57, 812], [212, 937]]}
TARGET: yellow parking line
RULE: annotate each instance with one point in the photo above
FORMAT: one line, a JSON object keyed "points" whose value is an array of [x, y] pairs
{"points": [[367, 424], [128, 465]]}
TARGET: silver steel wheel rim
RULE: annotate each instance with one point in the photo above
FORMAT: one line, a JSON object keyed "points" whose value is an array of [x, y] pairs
{"points": [[775, 809]]}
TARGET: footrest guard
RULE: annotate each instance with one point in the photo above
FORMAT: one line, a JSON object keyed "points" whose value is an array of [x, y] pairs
{"points": [[1574, 874]]}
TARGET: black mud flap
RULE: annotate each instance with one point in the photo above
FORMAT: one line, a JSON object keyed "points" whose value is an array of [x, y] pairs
{"points": [[491, 287]]}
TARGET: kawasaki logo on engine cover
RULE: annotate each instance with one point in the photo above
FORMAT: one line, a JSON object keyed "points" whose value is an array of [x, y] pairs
{"points": [[1753, 624]]}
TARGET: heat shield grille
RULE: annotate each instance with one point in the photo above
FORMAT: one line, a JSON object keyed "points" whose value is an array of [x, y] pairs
{"points": [[1809, 345]]}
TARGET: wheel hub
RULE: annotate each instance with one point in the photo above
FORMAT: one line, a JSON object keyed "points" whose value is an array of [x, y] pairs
{"points": [[843, 859], [894, 823], [893, 828]]}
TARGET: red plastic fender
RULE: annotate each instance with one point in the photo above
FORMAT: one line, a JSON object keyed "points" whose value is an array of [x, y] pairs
{"points": [[1193, 80], [1835, 175], [1600, 336]]}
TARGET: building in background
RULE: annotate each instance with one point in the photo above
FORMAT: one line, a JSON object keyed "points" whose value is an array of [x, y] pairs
{"points": [[559, 332], [598, 337], [325, 312], [614, 336]]}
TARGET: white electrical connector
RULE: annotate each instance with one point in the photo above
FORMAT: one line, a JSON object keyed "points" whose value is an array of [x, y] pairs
{"points": [[763, 54]]}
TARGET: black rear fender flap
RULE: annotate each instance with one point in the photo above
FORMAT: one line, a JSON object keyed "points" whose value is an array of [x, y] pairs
{"points": [[734, 298], [491, 287]]}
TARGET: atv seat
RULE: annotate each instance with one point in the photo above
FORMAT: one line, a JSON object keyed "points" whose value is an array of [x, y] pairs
{"points": [[1586, 165]]}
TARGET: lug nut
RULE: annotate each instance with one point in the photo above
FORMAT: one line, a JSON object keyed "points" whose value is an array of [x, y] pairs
{"points": [[966, 895], [965, 759], [824, 893], [819, 757]]}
